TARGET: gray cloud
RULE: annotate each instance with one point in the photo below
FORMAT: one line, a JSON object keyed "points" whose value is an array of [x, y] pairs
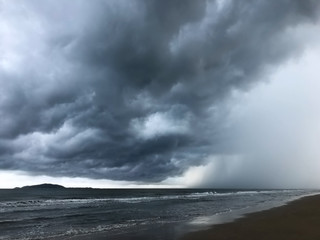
{"points": [[132, 90]]}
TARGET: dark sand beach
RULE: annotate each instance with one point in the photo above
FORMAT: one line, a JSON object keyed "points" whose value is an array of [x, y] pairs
{"points": [[298, 220]]}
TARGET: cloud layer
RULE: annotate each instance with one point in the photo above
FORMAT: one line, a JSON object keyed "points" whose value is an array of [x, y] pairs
{"points": [[132, 90]]}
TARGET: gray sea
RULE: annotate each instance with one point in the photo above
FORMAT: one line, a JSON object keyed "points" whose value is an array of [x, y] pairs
{"points": [[128, 213]]}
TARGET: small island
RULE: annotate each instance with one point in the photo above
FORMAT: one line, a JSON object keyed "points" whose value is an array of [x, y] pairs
{"points": [[44, 186]]}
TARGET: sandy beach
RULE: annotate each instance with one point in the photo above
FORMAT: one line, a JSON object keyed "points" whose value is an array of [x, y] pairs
{"points": [[295, 221]]}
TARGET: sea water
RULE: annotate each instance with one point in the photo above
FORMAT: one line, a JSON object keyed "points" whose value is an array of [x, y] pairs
{"points": [[125, 214]]}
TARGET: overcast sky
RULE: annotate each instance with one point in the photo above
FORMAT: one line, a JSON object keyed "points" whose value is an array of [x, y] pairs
{"points": [[147, 93]]}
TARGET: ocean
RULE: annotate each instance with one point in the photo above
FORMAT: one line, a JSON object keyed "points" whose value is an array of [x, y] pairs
{"points": [[161, 214]]}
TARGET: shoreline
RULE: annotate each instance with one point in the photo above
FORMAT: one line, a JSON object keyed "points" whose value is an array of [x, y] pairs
{"points": [[296, 219], [207, 222], [189, 231]]}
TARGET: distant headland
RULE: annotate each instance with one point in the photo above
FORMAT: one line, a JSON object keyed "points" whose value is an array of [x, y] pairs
{"points": [[43, 186]]}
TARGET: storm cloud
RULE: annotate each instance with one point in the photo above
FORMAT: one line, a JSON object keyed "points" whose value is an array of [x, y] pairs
{"points": [[132, 90]]}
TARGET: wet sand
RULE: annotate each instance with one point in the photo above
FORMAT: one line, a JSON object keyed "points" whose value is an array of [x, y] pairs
{"points": [[299, 220]]}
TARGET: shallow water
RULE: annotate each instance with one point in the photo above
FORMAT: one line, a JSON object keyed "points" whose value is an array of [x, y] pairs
{"points": [[115, 214]]}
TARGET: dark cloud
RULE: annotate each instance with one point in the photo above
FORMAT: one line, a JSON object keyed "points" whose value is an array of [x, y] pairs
{"points": [[131, 90]]}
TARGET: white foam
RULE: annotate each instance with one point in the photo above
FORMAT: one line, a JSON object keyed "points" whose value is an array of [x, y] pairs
{"points": [[10, 206]]}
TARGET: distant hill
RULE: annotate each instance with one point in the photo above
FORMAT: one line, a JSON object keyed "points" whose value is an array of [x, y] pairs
{"points": [[44, 186]]}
